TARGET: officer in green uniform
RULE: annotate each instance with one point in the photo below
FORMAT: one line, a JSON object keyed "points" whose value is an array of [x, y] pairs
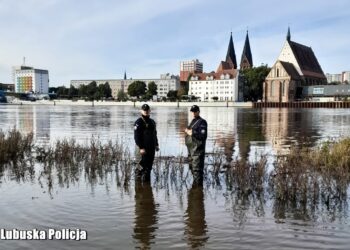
{"points": [[196, 136], [145, 135]]}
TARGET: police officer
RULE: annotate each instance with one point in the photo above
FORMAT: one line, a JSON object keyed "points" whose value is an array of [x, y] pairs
{"points": [[145, 135], [196, 136]]}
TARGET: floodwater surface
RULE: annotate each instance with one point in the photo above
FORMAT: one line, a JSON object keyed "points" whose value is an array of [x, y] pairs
{"points": [[174, 215]]}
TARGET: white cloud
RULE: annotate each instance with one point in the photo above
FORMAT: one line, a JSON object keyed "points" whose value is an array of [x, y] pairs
{"points": [[88, 39]]}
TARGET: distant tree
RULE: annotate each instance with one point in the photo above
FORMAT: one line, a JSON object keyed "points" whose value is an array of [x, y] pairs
{"points": [[172, 95], [335, 83], [181, 92], [73, 92], [152, 89], [91, 90], [107, 90], [53, 90], [137, 89], [346, 82], [62, 92], [253, 82], [83, 91], [122, 96]]}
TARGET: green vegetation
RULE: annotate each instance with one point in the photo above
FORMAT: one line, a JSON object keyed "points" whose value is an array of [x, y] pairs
{"points": [[305, 177], [87, 92], [137, 89], [253, 82]]}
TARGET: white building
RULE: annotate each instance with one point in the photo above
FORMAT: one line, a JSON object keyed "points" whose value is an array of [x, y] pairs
{"points": [[224, 86], [166, 83], [346, 77], [334, 78], [29, 79]]}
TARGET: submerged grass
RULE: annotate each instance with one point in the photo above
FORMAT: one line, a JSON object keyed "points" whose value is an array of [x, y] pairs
{"points": [[303, 177]]}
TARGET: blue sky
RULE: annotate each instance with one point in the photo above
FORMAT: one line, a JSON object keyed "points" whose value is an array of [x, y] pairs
{"points": [[99, 39]]}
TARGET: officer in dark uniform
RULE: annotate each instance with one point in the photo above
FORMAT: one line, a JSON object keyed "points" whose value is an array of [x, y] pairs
{"points": [[145, 135], [196, 136]]}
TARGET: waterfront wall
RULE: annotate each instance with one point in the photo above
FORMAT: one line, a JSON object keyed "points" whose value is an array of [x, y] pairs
{"points": [[135, 104], [301, 105]]}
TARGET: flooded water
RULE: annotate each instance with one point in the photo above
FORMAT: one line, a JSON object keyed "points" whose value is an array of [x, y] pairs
{"points": [[170, 215]]}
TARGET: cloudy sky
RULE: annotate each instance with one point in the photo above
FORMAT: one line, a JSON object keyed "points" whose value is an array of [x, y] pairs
{"points": [[99, 39]]}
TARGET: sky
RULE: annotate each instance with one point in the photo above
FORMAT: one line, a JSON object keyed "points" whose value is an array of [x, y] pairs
{"points": [[100, 39]]}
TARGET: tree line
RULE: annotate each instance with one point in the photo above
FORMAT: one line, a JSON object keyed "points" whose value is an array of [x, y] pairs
{"points": [[138, 90], [87, 92]]}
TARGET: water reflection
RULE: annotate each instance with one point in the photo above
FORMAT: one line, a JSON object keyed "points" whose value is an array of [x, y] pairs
{"points": [[196, 226], [146, 218], [283, 127]]}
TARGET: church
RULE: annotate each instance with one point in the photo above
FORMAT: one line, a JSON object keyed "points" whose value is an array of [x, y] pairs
{"points": [[296, 67]]}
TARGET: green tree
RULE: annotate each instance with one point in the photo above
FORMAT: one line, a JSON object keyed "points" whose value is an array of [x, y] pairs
{"points": [[122, 96], [73, 92], [91, 90], [137, 89], [62, 92], [152, 89], [107, 90], [253, 82], [172, 95], [53, 90], [82, 91]]}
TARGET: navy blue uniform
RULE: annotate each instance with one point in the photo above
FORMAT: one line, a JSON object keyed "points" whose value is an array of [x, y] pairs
{"points": [[145, 135], [196, 147]]}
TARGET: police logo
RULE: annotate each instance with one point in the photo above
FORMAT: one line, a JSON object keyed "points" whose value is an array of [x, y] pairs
{"points": [[203, 131], [135, 127]]}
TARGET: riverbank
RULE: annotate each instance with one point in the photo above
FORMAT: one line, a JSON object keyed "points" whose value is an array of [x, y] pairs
{"points": [[129, 103]]}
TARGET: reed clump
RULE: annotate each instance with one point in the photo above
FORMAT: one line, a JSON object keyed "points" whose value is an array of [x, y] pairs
{"points": [[313, 175], [304, 176], [15, 147]]}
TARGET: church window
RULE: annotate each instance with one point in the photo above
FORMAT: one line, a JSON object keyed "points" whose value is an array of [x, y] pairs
{"points": [[271, 88]]}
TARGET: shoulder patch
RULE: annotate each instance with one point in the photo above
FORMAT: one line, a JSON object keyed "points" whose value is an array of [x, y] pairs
{"points": [[203, 131]]}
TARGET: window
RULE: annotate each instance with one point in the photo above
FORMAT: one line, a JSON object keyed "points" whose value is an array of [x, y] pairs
{"points": [[277, 72], [271, 88]]}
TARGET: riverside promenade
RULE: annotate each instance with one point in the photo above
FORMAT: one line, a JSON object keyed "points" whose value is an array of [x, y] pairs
{"points": [[129, 103]]}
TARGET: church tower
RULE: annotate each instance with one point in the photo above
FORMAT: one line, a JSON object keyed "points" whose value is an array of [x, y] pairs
{"points": [[231, 55], [246, 59]]}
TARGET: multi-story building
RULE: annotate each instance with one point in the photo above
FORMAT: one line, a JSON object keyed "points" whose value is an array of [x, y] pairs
{"points": [[29, 79], [190, 67], [221, 85], [346, 77], [165, 83], [332, 78]]}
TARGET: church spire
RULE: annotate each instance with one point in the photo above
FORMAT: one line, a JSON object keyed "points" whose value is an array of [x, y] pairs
{"points": [[125, 75], [231, 55], [288, 34], [246, 59]]}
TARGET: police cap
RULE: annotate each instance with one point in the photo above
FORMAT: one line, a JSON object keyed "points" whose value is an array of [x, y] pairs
{"points": [[145, 107], [194, 108]]}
